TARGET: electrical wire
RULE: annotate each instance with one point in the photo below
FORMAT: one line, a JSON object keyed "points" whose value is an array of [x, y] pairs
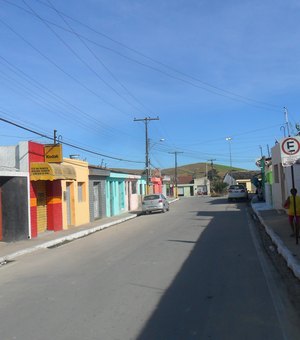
{"points": [[211, 88], [60, 68], [88, 117], [87, 65], [65, 143], [99, 60]]}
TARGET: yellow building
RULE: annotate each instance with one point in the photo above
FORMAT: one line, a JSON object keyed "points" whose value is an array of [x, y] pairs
{"points": [[76, 195]]}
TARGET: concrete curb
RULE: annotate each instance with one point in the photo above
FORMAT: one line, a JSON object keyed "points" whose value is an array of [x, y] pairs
{"points": [[281, 248], [70, 237], [61, 240]]}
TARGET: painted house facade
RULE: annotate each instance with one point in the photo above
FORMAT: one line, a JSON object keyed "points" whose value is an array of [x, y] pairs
{"points": [[46, 192], [282, 177], [75, 194], [14, 205], [115, 194], [123, 193], [185, 186], [97, 192], [202, 186]]}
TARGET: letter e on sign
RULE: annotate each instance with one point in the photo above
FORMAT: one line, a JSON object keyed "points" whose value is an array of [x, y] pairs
{"points": [[290, 150], [290, 146]]}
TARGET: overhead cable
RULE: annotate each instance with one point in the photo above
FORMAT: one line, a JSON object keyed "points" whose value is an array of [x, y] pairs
{"points": [[65, 143], [210, 88]]}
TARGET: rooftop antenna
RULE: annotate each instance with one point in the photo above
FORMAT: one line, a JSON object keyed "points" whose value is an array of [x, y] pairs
{"points": [[287, 121]]}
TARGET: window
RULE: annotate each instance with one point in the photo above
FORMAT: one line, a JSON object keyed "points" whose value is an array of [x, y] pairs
{"points": [[81, 191], [133, 187]]}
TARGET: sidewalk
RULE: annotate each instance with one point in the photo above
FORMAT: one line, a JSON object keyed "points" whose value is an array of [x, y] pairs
{"points": [[278, 228], [11, 250]]}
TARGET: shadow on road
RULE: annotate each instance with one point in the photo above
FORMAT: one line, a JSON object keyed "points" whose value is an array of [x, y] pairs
{"points": [[215, 286]]}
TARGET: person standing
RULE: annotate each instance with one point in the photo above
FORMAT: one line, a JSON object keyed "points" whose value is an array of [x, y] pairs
{"points": [[292, 204]]}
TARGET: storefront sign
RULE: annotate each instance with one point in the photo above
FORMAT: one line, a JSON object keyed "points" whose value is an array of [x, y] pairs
{"points": [[41, 171], [53, 153]]}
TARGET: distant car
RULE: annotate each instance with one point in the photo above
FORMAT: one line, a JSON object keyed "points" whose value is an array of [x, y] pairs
{"points": [[237, 191], [155, 202]]}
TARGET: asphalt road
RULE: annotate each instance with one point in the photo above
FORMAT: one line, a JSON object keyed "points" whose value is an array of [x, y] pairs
{"points": [[196, 272]]}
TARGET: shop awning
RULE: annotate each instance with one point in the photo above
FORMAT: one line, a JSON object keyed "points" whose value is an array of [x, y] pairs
{"points": [[42, 171]]}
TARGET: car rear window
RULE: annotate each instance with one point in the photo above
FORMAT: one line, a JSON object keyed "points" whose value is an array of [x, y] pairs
{"points": [[236, 187], [151, 197]]}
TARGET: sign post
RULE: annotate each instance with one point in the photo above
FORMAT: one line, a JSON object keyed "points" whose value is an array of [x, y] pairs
{"points": [[290, 153]]}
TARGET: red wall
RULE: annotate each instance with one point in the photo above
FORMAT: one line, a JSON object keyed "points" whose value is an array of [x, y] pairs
{"points": [[35, 154], [157, 185], [54, 195], [54, 205]]}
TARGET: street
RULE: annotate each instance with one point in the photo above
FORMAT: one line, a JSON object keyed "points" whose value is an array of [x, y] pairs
{"points": [[195, 272]]}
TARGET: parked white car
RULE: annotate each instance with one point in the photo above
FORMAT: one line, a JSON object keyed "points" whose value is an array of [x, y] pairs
{"points": [[155, 202], [237, 191]]}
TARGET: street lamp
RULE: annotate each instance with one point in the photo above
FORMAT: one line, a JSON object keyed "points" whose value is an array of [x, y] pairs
{"points": [[151, 145]]}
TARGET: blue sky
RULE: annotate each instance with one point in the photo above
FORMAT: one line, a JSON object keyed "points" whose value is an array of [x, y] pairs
{"points": [[208, 69]]}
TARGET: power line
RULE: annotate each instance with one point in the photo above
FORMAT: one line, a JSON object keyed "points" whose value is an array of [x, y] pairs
{"points": [[68, 46], [60, 100], [65, 143], [163, 64], [211, 88], [60, 68], [97, 57]]}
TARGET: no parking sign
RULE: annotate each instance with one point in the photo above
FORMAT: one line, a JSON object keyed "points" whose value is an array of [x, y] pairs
{"points": [[290, 150]]}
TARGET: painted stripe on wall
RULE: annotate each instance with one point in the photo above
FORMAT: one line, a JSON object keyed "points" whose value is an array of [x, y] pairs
{"points": [[54, 200]]}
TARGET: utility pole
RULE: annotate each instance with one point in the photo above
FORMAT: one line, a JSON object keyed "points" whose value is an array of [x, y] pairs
{"points": [[55, 137], [211, 162], [146, 120], [212, 166], [261, 153], [176, 179]]}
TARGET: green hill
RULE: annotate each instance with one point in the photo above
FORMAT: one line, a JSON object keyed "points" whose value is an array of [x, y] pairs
{"points": [[195, 169], [199, 169]]}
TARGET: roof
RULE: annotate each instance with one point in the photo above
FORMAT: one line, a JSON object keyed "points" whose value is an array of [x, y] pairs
{"points": [[243, 174], [185, 180]]}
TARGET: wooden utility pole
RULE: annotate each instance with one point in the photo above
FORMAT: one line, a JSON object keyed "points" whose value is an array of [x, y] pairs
{"points": [[146, 120], [176, 179]]}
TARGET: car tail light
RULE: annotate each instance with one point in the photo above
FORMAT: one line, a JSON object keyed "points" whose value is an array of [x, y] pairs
{"points": [[229, 190], [242, 190], [160, 201]]}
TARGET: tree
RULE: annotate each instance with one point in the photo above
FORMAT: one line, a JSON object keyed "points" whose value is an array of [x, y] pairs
{"points": [[217, 186]]}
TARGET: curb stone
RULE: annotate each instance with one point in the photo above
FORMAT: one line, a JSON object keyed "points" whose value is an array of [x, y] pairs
{"points": [[61, 240], [292, 263]]}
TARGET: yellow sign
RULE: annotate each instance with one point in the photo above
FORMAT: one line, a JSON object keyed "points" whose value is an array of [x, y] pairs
{"points": [[42, 171], [53, 153]]}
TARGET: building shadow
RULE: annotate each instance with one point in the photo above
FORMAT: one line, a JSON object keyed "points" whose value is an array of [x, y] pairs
{"points": [[201, 302]]}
